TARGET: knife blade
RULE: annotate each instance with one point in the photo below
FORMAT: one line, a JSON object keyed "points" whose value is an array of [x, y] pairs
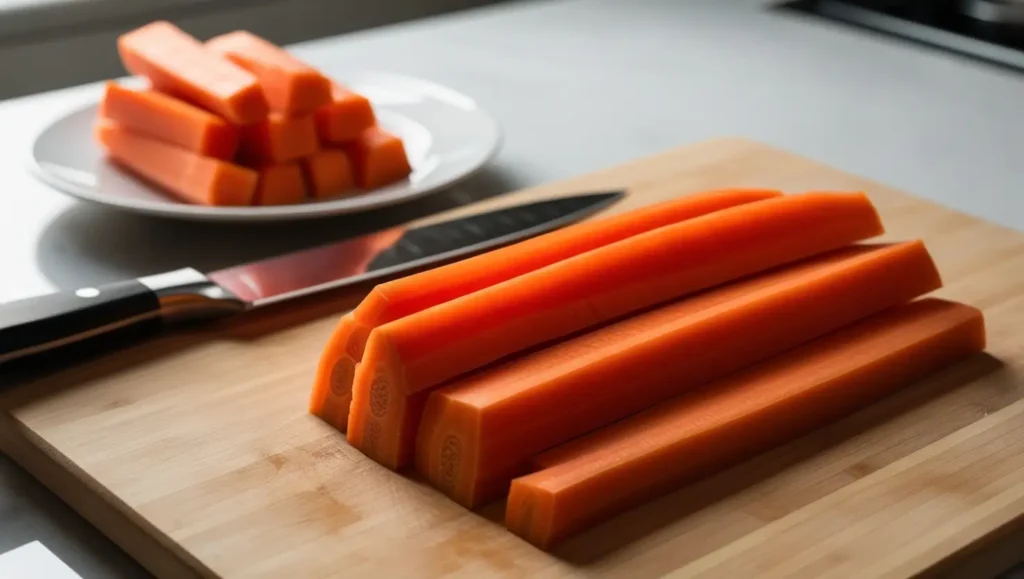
{"points": [[146, 304]]}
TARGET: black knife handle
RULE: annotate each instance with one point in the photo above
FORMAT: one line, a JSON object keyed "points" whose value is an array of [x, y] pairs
{"points": [[53, 320], [131, 309]]}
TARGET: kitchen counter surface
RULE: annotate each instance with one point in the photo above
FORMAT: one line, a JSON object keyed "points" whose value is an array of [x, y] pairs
{"points": [[577, 85], [69, 42]]}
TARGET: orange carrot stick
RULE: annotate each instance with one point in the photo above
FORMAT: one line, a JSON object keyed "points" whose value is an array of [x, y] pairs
{"points": [[389, 301], [328, 172], [281, 184], [277, 139], [201, 180], [345, 117], [602, 474], [153, 114], [291, 86], [177, 64], [378, 158], [416, 353], [504, 415]]}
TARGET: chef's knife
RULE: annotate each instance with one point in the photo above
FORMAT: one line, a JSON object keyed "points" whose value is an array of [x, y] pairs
{"points": [[49, 321]]}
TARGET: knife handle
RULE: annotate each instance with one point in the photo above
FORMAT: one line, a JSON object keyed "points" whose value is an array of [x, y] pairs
{"points": [[42, 323]]}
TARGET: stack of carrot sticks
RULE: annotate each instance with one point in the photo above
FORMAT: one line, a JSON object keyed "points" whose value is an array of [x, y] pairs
{"points": [[240, 121], [588, 370]]}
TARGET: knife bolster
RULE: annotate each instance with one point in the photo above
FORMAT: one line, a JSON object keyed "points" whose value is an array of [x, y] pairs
{"points": [[186, 294]]}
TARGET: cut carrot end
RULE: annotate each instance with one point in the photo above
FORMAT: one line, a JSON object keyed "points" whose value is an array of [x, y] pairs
{"points": [[334, 409], [528, 513], [308, 91], [358, 338], [539, 400], [281, 184], [345, 117], [378, 158], [152, 114], [291, 86], [447, 448], [329, 173], [331, 398], [383, 420], [332, 386]]}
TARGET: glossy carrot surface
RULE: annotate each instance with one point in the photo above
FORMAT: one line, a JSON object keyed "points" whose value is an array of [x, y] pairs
{"points": [[281, 184], [507, 413], [277, 139], [420, 351], [389, 301], [179, 65], [616, 468], [378, 158], [165, 118], [328, 173], [193, 178], [345, 117], [291, 86]]}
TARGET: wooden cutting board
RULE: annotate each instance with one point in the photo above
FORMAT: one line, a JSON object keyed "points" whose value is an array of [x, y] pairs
{"points": [[195, 453]]}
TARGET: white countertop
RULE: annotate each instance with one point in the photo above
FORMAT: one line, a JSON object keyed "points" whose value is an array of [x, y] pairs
{"points": [[34, 561], [579, 85]]}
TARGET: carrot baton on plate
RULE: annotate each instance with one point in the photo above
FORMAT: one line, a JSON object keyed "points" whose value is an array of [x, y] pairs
{"points": [[290, 85], [190, 176], [407, 358], [179, 65]]}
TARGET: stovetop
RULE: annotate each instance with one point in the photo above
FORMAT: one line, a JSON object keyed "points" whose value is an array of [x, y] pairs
{"points": [[987, 30]]}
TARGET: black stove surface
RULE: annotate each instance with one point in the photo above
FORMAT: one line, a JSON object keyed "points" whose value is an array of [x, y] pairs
{"points": [[995, 33]]}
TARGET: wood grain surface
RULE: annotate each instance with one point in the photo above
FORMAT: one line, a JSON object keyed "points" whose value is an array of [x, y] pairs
{"points": [[196, 454]]}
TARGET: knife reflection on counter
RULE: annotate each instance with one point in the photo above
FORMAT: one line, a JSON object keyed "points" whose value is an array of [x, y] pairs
{"points": [[42, 323]]}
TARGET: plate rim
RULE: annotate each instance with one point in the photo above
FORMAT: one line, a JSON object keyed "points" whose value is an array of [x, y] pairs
{"points": [[303, 211]]}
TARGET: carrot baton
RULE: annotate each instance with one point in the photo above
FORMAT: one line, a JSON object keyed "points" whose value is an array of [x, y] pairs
{"points": [[328, 173], [609, 471], [419, 352], [506, 414], [153, 114], [378, 158], [281, 184], [345, 117], [290, 85], [277, 139], [332, 389], [179, 65], [201, 180]]}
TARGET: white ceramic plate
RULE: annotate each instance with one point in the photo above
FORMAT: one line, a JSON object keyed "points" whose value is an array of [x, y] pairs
{"points": [[447, 137]]}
